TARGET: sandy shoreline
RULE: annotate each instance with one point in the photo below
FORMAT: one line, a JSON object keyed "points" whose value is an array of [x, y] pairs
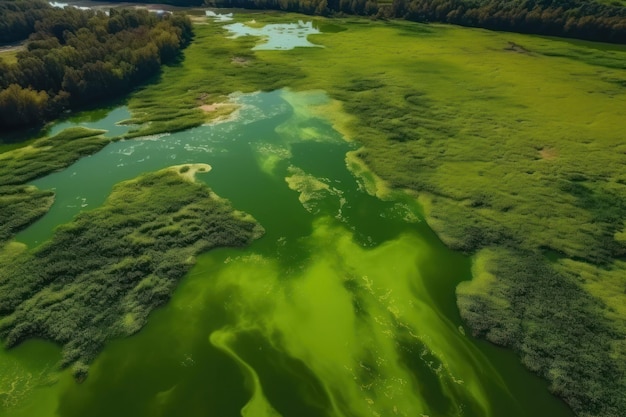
{"points": [[189, 171]]}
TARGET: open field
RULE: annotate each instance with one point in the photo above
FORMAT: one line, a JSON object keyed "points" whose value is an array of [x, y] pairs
{"points": [[8, 53], [9, 56]]}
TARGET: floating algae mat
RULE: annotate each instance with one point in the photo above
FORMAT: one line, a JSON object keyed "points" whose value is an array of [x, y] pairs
{"points": [[345, 307]]}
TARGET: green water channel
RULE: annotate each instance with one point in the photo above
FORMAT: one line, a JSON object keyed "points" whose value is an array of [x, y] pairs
{"points": [[345, 307]]}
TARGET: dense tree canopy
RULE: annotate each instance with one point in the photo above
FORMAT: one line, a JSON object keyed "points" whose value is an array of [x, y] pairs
{"points": [[570, 18], [18, 17], [75, 57]]}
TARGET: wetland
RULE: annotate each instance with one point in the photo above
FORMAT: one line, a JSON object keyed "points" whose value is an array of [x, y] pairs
{"points": [[361, 210]]}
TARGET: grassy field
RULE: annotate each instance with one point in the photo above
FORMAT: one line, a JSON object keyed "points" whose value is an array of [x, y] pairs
{"points": [[514, 146]]}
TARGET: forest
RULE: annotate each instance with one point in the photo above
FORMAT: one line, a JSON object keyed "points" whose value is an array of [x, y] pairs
{"points": [[74, 57], [18, 18], [580, 19], [571, 18]]}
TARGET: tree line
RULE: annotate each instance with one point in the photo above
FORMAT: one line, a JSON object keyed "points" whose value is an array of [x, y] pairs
{"points": [[312, 7], [567, 18], [76, 57], [18, 18]]}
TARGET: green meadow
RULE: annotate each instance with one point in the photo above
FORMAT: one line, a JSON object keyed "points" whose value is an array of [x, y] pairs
{"points": [[513, 145]]}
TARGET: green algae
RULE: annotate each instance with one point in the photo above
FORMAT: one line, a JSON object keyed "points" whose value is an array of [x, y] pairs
{"points": [[346, 314]]}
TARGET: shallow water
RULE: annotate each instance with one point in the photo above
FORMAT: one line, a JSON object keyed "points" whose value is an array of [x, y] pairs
{"points": [[219, 17], [95, 119], [277, 36], [344, 308]]}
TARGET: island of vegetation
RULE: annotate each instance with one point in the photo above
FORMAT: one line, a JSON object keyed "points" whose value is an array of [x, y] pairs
{"points": [[76, 58], [101, 275]]}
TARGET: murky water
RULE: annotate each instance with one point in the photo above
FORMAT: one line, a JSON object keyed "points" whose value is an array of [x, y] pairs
{"points": [[344, 308]]}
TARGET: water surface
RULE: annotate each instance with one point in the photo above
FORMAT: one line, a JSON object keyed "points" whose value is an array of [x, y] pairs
{"points": [[344, 308], [277, 36]]}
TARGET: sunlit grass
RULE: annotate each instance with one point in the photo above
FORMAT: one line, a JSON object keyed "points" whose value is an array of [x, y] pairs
{"points": [[9, 56]]}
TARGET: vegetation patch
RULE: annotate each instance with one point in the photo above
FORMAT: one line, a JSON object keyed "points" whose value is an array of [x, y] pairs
{"points": [[49, 154], [209, 72], [101, 275], [545, 302], [19, 207]]}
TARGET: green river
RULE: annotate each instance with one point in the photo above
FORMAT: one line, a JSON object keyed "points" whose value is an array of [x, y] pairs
{"points": [[345, 307]]}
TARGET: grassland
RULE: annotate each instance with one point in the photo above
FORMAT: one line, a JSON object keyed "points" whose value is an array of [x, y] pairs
{"points": [[513, 145], [101, 275]]}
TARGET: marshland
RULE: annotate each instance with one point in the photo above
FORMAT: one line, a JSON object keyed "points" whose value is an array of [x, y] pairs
{"points": [[393, 218]]}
